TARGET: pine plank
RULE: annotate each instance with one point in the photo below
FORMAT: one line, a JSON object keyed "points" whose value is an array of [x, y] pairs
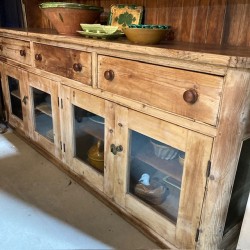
{"points": [[215, 21], [199, 27], [233, 21]]}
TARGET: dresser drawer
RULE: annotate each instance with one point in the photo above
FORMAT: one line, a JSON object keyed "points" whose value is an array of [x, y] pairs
{"points": [[190, 94], [17, 50], [69, 63]]}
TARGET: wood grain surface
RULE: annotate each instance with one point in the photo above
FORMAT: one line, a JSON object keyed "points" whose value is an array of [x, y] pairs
{"points": [[199, 21]]}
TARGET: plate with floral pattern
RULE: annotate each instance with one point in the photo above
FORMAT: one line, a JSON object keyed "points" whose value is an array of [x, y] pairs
{"points": [[124, 15]]}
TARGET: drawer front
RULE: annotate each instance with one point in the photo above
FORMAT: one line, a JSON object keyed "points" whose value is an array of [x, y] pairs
{"points": [[17, 50], [69, 63], [163, 87]]}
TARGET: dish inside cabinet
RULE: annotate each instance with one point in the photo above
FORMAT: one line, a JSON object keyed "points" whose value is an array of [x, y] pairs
{"points": [[89, 138]]}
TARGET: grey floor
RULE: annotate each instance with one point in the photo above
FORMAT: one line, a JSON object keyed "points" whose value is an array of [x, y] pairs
{"points": [[42, 208]]}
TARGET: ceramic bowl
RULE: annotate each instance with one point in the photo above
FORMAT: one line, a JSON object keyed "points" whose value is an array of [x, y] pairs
{"points": [[146, 34], [96, 156], [98, 28], [163, 151], [66, 17], [181, 158]]}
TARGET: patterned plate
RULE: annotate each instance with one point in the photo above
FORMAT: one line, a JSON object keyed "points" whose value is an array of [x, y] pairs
{"points": [[124, 15]]}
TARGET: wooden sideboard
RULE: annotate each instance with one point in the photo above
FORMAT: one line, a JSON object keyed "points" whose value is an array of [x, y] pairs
{"points": [[65, 93]]}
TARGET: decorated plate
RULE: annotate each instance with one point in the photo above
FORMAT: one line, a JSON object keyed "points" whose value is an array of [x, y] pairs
{"points": [[124, 15]]}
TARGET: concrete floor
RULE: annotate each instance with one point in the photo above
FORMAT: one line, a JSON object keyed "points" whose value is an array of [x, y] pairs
{"points": [[42, 208]]}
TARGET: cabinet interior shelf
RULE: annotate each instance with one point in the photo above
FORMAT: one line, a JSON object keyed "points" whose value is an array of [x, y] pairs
{"points": [[16, 93], [44, 108], [91, 128], [169, 167]]}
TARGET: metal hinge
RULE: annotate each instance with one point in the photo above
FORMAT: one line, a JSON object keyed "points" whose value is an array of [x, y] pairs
{"points": [[208, 168], [197, 234], [58, 102], [62, 146]]}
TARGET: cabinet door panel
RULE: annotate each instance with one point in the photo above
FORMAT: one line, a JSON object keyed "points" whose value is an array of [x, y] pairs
{"points": [[15, 92], [121, 138], [85, 132], [197, 155], [44, 113], [159, 174], [110, 139]]}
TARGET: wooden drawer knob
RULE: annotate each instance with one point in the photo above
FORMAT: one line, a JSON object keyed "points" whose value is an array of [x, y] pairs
{"points": [[190, 96], [22, 52], [77, 67], [38, 57], [109, 75]]}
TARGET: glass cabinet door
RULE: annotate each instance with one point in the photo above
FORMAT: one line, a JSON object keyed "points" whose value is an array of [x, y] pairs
{"points": [[14, 89], [84, 139], [155, 174], [162, 174], [89, 138], [15, 97], [44, 113]]}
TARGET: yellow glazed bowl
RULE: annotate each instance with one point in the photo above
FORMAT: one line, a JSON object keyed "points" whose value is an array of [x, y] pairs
{"points": [[97, 163], [96, 156], [146, 34]]}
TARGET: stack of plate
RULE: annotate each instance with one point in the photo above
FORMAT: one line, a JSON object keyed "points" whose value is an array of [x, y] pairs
{"points": [[100, 31]]}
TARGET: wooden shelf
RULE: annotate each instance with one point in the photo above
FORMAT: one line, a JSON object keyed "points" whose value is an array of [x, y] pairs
{"points": [[91, 128], [16, 93], [169, 167], [44, 108]]}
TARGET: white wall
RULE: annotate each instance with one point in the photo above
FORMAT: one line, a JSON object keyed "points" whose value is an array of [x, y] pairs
{"points": [[244, 239]]}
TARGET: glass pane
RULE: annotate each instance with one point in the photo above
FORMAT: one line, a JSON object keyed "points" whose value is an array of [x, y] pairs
{"points": [[241, 189], [89, 138], [156, 174], [15, 97], [43, 114]]}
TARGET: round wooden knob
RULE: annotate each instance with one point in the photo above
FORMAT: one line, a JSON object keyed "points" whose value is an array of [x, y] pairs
{"points": [[190, 96], [77, 67], [22, 52], [38, 57], [109, 75]]}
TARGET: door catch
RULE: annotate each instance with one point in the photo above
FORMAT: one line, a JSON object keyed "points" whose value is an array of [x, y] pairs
{"points": [[115, 149]]}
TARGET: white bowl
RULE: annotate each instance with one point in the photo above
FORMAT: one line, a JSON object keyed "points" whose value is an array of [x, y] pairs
{"points": [[164, 151]]}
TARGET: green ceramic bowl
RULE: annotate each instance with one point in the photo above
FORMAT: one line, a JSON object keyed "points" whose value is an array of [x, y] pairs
{"points": [[69, 6], [149, 26]]}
